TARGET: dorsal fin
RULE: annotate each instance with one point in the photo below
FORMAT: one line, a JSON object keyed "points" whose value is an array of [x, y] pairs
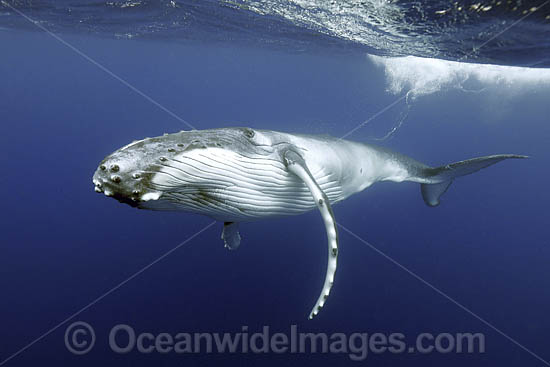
{"points": [[296, 164]]}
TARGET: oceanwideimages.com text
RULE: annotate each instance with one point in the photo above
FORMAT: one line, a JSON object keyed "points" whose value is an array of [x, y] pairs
{"points": [[80, 338]]}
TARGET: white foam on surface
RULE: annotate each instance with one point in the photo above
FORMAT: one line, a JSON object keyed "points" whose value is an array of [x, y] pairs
{"points": [[422, 76]]}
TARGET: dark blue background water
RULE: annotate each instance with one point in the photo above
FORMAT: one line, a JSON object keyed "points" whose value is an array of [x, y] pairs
{"points": [[62, 245]]}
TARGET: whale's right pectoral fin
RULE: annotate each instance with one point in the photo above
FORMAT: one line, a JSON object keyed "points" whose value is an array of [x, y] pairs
{"points": [[296, 164], [230, 235]]}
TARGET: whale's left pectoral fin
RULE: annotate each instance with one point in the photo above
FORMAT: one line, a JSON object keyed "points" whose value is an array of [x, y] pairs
{"points": [[230, 235], [296, 164]]}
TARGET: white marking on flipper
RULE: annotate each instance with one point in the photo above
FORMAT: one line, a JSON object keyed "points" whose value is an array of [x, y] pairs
{"points": [[296, 164]]}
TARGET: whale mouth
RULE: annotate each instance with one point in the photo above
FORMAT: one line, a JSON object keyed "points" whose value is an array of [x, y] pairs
{"points": [[109, 189]]}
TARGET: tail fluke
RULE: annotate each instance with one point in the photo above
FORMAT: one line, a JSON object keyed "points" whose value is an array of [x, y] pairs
{"points": [[443, 176]]}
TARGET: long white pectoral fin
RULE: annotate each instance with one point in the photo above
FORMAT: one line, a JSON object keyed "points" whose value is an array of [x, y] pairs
{"points": [[296, 164], [230, 235]]}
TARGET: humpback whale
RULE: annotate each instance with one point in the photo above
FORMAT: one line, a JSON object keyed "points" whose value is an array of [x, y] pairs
{"points": [[241, 174]]}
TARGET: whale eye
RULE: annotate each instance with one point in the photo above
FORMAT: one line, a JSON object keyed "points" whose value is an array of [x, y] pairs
{"points": [[249, 133]]}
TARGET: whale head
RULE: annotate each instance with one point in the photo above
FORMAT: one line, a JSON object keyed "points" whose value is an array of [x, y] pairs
{"points": [[125, 174], [155, 173]]}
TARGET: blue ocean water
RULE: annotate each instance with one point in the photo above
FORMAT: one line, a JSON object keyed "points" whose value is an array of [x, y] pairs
{"points": [[292, 67]]}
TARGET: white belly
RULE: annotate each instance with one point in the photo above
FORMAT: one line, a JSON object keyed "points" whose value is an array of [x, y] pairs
{"points": [[228, 186]]}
